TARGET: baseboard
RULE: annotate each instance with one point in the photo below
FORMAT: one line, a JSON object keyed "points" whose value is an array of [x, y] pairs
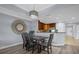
{"points": [[10, 45]]}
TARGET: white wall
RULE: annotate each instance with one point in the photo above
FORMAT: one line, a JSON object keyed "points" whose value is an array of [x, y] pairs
{"points": [[7, 36]]}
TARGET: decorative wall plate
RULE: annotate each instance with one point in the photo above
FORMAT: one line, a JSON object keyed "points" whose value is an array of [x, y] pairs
{"points": [[18, 26]]}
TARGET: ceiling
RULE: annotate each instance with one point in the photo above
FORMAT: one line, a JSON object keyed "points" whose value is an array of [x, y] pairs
{"points": [[37, 7], [48, 13]]}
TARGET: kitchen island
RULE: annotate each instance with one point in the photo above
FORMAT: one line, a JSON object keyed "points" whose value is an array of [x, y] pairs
{"points": [[58, 39]]}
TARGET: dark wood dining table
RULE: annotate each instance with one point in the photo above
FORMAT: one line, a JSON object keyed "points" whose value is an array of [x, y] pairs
{"points": [[39, 39]]}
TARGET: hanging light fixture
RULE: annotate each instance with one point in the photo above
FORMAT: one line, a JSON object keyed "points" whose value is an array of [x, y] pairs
{"points": [[33, 14]]}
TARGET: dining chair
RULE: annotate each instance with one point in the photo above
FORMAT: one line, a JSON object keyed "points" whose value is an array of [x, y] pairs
{"points": [[24, 38], [47, 45], [28, 42], [31, 45], [31, 33]]}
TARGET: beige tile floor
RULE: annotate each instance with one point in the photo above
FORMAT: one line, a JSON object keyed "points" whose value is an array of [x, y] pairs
{"points": [[69, 40]]}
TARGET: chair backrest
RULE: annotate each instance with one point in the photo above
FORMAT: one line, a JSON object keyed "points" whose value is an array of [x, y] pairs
{"points": [[29, 39], [50, 39], [31, 33], [24, 37]]}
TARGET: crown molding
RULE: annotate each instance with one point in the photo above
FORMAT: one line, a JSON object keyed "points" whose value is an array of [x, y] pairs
{"points": [[13, 13]]}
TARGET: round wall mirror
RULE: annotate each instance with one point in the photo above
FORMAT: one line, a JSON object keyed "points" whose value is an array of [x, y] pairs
{"points": [[18, 26]]}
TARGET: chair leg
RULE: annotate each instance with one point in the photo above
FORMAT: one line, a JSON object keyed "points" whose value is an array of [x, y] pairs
{"points": [[51, 48], [23, 46], [48, 50], [33, 50], [40, 49]]}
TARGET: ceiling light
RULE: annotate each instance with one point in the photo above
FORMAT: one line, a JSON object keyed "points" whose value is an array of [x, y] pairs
{"points": [[33, 14]]}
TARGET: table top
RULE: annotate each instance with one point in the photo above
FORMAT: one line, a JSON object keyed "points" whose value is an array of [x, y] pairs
{"points": [[39, 37]]}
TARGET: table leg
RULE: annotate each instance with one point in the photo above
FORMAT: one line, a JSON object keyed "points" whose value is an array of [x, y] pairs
{"points": [[39, 49]]}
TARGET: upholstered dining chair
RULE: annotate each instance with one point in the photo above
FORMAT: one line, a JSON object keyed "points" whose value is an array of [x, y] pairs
{"points": [[47, 45]]}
